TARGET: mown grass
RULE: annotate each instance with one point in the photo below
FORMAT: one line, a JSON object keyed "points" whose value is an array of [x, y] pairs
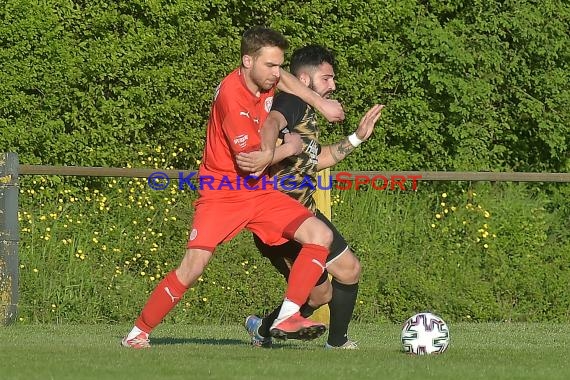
{"points": [[477, 351]]}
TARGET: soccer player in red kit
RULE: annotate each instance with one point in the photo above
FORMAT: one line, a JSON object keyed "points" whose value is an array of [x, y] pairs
{"points": [[232, 200]]}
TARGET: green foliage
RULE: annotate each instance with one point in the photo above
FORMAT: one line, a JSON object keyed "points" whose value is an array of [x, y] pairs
{"points": [[469, 253], [473, 85], [482, 253], [469, 86], [96, 253], [95, 82]]}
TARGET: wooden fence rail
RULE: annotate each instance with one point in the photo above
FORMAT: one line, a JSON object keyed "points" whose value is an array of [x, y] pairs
{"points": [[419, 175]]}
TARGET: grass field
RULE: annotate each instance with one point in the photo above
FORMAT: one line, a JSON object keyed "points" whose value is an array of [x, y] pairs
{"points": [[477, 351]]}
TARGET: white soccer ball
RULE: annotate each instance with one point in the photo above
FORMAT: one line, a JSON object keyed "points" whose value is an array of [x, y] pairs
{"points": [[425, 333]]}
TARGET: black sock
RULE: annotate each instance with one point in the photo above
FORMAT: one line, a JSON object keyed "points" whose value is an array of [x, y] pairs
{"points": [[341, 307], [268, 321], [306, 310]]}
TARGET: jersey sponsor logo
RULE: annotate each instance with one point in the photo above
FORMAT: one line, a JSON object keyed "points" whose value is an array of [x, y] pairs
{"points": [[312, 150], [268, 104], [256, 120], [243, 113], [193, 234], [241, 140]]}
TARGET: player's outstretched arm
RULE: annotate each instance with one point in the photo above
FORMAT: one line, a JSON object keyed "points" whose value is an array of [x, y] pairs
{"points": [[331, 154], [331, 109]]}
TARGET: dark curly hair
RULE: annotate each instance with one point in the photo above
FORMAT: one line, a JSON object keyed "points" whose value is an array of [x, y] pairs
{"points": [[310, 56]]}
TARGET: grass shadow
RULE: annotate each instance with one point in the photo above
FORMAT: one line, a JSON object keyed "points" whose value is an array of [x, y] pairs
{"points": [[165, 341], [277, 345]]}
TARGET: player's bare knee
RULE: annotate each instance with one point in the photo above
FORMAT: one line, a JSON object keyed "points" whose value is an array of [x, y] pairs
{"points": [[355, 271], [346, 269], [313, 231], [322, 236]]}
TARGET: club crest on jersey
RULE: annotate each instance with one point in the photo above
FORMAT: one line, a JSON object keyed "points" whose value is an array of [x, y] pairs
{"points": [[268, 103], [241, 140]]}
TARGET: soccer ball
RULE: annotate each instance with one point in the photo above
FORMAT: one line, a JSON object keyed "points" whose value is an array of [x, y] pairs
{"points": [[425, 333]]}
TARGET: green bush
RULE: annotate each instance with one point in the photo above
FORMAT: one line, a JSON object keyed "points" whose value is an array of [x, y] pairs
{"points": [[473, 85], [477, 85]]}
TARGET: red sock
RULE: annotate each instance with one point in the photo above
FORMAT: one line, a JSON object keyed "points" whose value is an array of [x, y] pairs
{"points": [[163, 299], [305, 272]]}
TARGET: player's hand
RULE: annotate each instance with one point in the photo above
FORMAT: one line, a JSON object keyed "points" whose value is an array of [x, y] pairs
{"points": [[366, 126], [255, 162], [294, 143], [331, 109]]}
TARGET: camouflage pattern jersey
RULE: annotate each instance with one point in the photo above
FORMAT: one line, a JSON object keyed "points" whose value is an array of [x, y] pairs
{"points": [[297, 175]]}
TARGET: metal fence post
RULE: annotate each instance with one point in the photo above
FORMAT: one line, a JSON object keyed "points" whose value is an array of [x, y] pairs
{"points": [[9, 237]]}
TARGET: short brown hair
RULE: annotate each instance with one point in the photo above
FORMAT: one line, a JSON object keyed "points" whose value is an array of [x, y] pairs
{"points": [[258, 37]]}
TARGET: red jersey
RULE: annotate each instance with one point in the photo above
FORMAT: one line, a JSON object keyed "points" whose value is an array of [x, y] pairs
{"points": [[235, 120]]}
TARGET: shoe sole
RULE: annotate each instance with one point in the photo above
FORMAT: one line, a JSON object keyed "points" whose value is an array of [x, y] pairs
{"points": [[127, 345], [306, 333]]}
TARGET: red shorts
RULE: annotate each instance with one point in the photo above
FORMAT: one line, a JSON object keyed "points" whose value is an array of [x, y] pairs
{"points": [[270, 214]]}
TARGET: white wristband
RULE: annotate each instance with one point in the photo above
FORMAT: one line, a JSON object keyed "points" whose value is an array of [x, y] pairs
{"points": [[354, 140]]}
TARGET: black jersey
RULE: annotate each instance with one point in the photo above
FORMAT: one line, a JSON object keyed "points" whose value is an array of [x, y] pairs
{"points": [[297, 175]]}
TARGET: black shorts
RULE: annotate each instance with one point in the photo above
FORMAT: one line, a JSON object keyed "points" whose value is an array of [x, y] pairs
{"points": [[282, 256]]}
